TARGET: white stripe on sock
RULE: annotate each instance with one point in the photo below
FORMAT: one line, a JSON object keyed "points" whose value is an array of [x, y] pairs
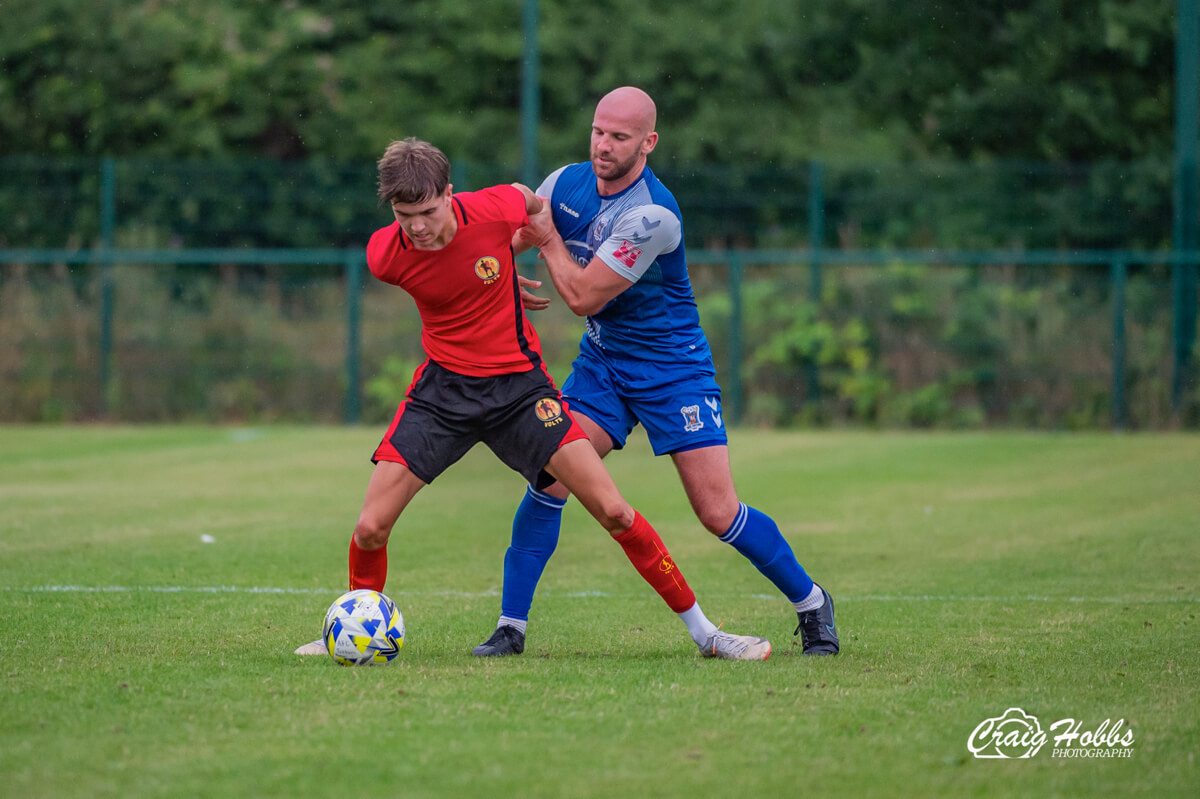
{"points": [[739, 524], [545, 499]]}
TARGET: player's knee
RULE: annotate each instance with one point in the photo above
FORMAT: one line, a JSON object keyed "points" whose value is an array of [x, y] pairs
{"points": [[370, 533], [616, 516], [717, 516]]}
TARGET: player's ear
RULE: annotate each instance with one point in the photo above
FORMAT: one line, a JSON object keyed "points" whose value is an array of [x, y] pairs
{"points": [[649, 142]]}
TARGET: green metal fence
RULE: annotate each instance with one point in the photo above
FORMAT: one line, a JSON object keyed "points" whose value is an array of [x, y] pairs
{"points": [[787, 261], [138, 203], [801, 275]]}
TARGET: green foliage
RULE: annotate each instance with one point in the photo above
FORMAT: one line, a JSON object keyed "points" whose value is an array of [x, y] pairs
{"points": [[908, 344], [1037, 79], [841, 352], [48, 366], [385, 391], [746, 100], [317, 203], [270, 79], [931, 346], [185, 78], [939, 124], [776, 83], [228, 345]]}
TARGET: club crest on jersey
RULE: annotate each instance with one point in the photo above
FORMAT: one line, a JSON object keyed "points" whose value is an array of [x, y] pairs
{"points": [[549, 411], [691, 418], [627, 254], [487, 269]]}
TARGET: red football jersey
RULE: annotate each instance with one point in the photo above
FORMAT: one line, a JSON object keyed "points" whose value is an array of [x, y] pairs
{"points": [[466, 292]]}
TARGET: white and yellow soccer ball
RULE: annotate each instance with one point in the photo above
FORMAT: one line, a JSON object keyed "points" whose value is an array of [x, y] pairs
{"points": [[363, 628]]}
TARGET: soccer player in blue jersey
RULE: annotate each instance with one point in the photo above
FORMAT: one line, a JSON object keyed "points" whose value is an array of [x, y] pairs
{"points": [[612, 238]]}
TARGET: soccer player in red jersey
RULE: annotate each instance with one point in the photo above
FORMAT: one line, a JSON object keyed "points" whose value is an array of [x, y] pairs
{"points": [[484, 380]]}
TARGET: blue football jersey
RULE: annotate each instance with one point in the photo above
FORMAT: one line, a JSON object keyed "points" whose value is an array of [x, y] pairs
{"points": [[637, 233]]}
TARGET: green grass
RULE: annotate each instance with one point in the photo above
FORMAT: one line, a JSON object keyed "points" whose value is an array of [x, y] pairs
{"points": [[973, 573]]}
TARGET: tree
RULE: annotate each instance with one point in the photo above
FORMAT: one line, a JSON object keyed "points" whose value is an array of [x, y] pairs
{"points": [[1032, 79], [774, 83]]}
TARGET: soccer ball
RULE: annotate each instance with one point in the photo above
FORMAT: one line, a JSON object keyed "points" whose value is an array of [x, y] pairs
{"points": [[363, 628]]}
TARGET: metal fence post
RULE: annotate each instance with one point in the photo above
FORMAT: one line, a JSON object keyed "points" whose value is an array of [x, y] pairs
{"points": [[354, 275], [530, 97], [458, 175], [108, 226], [1186, 223], [1118, 346], [816, 235], [735, 334]]}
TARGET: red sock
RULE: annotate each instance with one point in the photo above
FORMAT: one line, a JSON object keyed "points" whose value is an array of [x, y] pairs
{"points": [[368, 567], [649, 555]]}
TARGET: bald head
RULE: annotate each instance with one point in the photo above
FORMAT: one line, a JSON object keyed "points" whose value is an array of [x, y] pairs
{"points": [[622, 136], [630, 105]]}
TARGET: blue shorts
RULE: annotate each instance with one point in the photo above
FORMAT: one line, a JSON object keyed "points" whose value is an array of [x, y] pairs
{"points": [[679, 405]]}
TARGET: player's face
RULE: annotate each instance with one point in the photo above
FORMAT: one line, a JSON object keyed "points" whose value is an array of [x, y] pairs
{"points": [[430, 223], [618, 147]]}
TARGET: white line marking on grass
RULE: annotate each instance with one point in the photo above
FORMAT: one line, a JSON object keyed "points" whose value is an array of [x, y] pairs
{"points": [[1113, 600], [241, 589], [161, 589], [215, 589], [1028, 598]]}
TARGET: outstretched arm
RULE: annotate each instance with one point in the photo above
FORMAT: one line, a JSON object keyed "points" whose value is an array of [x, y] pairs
{"points": [[585, 290], [533, 204]]}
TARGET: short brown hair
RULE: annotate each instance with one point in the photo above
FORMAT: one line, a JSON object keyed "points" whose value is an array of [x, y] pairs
{"points": [[412, 171]]}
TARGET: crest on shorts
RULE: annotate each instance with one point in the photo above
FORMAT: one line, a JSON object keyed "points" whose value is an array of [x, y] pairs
{"points": [[549, 411], [487, 269], [691, 418]]}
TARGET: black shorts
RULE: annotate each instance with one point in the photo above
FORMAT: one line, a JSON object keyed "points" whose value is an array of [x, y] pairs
{"points": [[521, 417]]}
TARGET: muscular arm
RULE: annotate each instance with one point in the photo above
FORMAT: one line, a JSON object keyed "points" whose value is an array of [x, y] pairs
{"points": [[585, 290], [635, 240]]}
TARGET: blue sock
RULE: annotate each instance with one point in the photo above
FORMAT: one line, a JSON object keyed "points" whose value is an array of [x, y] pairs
{"points": [[534, 538], [756, 536]]}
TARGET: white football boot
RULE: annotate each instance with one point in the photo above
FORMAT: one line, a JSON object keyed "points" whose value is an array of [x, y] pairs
{"points": [[317, 647], [728, 646]]}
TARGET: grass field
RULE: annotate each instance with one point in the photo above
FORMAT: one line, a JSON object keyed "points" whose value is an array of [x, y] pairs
{"points": [[973, 573]]}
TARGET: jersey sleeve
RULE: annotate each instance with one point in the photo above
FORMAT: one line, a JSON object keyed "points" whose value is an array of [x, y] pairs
{"points": [[547, 187], [638, 237], [505, 202], [381, 254]]}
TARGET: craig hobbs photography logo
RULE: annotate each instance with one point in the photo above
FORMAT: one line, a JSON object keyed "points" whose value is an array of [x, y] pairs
{"points": [[1019, 735]]}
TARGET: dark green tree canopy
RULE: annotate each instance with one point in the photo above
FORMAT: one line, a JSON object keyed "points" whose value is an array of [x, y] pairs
{"points": [[760, 82]]}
